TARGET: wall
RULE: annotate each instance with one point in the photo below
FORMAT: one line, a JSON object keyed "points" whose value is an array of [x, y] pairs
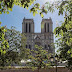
{"points": [[62, 69]]}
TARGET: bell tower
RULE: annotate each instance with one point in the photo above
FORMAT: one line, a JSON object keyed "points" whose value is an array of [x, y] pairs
{"points": [[46, 25], [47, 30], [28, 26]]}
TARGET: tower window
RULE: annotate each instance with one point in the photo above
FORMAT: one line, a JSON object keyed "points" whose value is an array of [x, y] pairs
{"points": [[45, 27], [29, 27], [26, 27], [48, 27], [30, 47]]}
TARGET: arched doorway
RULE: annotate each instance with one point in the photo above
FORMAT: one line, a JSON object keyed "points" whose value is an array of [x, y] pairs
{"points": [[37, 43]]}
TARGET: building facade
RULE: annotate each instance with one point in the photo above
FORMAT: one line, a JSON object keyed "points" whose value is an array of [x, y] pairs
{"points": [[45, 38]]}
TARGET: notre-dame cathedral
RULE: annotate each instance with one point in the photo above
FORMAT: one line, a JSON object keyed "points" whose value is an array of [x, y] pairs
{"points": [[45, 38]]}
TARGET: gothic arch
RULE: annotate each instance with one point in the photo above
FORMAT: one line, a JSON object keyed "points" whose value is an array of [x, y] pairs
{"points": [[29, 27], [26, 27], [45, 27], [48, 27], [37, 43]]}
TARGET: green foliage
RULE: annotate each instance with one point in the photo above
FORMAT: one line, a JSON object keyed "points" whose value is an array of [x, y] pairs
{"points": [[24, 52], [49, 7], [15, 51], [3, 42], [14, 39], [7, 5], [7, 49], [64, 32], [63, 7], [39, 58], [9, 58]]}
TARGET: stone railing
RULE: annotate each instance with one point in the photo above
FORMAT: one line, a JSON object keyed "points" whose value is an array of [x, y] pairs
{"points": [[59, 69]]}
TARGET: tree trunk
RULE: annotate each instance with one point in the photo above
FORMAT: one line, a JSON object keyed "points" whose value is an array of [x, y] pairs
{"points": [[38, 69]]}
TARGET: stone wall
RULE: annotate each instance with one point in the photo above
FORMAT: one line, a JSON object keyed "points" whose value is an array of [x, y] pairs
{"points": [[60, 69]]}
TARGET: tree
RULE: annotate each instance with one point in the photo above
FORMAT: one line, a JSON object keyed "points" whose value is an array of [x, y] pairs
{"points": [[16, 49], [64, 32], [7, 5], [9, 58], [10, 54], [14, 39], [39, 58], [3, 42]]}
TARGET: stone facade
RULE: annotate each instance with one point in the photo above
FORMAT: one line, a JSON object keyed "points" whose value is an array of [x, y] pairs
{"points": [[45, 38]]}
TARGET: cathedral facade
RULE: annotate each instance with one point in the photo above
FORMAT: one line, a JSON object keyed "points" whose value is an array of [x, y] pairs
{"points": [[45, 38]]}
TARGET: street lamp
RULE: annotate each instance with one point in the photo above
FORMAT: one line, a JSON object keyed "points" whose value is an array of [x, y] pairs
{"points": [[52, 58], [56, 59]]}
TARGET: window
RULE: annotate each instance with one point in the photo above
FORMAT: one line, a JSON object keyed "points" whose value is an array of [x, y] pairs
{"points": [[45, 46], [26, 27], [29, 27], [30, 47], [48, 27], [45, 27], [26, 46]]}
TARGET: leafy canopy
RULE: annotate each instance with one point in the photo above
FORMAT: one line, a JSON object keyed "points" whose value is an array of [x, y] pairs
{"points": [[39, 58], [64, 32], [7, 5], [3, 42], [12, 48]]}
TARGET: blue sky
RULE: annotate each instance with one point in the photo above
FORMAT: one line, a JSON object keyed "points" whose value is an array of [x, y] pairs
{"points": [[15, 18]]}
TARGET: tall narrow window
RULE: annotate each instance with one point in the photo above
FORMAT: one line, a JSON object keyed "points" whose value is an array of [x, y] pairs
{"points": [[26, 27], [45, 27], [26, 46], [29, 28], [30, 47], [48, 27], [45, 46]]}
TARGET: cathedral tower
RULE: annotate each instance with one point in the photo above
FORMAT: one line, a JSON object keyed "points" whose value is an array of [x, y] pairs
{"points": [[47, 30], [46, 25], [28, 26]]}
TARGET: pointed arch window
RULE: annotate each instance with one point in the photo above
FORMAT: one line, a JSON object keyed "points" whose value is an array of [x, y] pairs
{"points": [[45, 46], [45, 27], [29, 28], [26, 46], [30, 47], [48, 27], [26, 27]]}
